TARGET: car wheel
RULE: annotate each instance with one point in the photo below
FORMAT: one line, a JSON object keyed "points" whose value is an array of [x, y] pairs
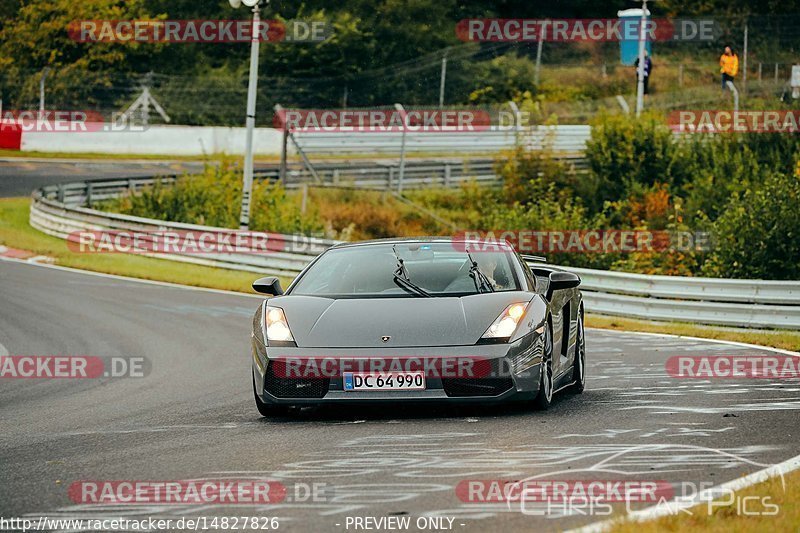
{"points": [[545, 396], [579, 366], [268, 409]]}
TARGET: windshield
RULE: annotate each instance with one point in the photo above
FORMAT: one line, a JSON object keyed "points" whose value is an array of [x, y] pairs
{"points": [[439, 269]]}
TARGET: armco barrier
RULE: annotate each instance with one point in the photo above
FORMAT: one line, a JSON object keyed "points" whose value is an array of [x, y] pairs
{"points": [[386, 174], [60, 209], [62, 216], [204, 140], [561, 139]]}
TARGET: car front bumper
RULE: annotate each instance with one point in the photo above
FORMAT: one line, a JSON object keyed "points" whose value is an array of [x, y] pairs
{"points": [[515, 374]]}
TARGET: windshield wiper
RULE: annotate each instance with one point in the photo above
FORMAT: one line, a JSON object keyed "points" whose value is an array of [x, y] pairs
{"points": [[477, 276], [403, 281]]}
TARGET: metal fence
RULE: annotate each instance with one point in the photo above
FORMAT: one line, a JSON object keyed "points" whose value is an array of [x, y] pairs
{"points": [[730, 302], [560, 139], [416, 174], [59, 210]]}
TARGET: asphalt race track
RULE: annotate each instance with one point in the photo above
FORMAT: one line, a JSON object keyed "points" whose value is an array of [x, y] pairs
{"points": [[20, 176], [192, 417]]}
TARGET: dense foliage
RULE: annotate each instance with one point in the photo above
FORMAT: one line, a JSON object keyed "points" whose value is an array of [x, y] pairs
{"points": [[740, 193], [380, 52]]}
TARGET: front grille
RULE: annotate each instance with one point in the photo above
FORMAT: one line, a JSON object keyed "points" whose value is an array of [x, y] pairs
{"points": [[283, 387], [493, 382]]}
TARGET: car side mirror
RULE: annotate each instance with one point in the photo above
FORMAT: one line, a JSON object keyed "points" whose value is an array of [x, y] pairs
{"points": [[269, 285], [563, 280]]}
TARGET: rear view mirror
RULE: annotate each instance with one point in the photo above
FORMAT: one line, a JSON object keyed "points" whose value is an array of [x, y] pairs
{"points": [[269, 285]]}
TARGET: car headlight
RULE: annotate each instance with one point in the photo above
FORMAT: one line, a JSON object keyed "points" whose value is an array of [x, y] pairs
{"points": [[506, 324], [277, 326]]}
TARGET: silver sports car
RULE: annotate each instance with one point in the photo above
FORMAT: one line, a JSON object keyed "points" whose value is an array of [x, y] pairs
{"points": [[418, 320]]}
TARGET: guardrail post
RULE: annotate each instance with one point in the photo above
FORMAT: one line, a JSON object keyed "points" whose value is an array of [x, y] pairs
{"points": [[402, 148], [732, 88], [447, 175], [89, 193], [61, 193], [131, 185], [335, 177], [284, 146], [391, 178]]}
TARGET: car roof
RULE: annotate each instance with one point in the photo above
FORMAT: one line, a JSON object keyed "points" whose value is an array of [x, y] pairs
{"points": [[416, 240]]}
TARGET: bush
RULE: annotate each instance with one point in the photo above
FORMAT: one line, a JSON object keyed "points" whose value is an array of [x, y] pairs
{"points": [[214, 198], [758, 235], [626, 154]]}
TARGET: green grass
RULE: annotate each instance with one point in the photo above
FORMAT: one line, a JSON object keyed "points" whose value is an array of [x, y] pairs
{"points": [[15, 232]]}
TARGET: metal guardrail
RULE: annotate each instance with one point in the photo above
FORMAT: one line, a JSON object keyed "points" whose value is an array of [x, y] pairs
{"points": [[728, 302], [561, 139], [59, 210], [417, 174]]}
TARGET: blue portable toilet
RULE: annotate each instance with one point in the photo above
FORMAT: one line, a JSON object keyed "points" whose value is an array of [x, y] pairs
{"points": [[629, 48]]}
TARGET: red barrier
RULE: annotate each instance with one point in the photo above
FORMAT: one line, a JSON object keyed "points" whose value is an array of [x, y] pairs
{"points": [[10, 136]]}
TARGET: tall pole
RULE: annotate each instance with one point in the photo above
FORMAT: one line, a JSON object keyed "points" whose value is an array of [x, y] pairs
{"points": [[403, 115], [442, 79], [41, 90], [538, 58], [640, 84], [744, 63], [247, 185]]}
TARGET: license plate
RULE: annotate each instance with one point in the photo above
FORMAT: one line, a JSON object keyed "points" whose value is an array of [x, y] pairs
{"points": [[355, 381]]}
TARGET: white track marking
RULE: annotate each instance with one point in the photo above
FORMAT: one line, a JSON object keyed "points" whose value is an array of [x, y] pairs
{"points": [[675, 506], [716, 341], [137, 280]]}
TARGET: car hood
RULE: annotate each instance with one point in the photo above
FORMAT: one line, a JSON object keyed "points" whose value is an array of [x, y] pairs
{"points": [[408, 322]]}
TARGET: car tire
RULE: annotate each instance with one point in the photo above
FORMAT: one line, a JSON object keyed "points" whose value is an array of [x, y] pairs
{"points": [[268, 410], [545, 396], [579, 366]]}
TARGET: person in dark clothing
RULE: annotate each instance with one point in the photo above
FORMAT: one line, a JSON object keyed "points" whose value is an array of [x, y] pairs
{"points": [[648, 68]]}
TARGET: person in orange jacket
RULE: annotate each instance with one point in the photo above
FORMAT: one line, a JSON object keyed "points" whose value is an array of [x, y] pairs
{"points": [[729, 66]]}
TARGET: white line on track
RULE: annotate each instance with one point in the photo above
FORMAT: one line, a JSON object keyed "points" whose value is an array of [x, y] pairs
{"points": [[717, 341], [136, 280], [679, 505]]}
